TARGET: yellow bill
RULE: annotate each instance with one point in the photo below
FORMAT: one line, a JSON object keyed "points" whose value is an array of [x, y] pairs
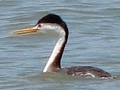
{"points": [[26, 30]]}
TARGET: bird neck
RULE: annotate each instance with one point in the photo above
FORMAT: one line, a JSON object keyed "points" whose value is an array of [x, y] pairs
{"points": [[54, 61]]}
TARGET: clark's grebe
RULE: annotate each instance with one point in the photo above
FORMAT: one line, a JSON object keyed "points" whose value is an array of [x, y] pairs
{"points": [[55, 23]]}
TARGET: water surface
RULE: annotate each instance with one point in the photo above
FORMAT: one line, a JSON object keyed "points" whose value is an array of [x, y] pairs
{"points": [[94, 40]]}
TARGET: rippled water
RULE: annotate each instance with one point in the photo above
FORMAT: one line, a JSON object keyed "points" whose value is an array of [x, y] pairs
{"points": [[94, 40]]}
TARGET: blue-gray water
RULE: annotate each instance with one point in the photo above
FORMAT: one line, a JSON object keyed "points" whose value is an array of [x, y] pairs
{"points": [[94, 40]]}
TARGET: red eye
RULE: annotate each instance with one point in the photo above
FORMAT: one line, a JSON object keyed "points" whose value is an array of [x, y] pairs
{"points": [[39, 25]]}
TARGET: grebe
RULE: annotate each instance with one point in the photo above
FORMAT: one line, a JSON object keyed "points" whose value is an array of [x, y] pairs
{"points": [[52, 22]]}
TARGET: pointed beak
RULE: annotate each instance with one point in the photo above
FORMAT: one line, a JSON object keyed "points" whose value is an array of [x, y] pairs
{"points": [[26, 30]]}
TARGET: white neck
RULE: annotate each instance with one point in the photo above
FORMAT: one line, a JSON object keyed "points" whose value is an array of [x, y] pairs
{"points": [[56, 49]]}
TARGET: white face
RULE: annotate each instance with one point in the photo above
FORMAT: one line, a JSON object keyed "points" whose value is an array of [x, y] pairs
{"points": [[51, 28]]}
